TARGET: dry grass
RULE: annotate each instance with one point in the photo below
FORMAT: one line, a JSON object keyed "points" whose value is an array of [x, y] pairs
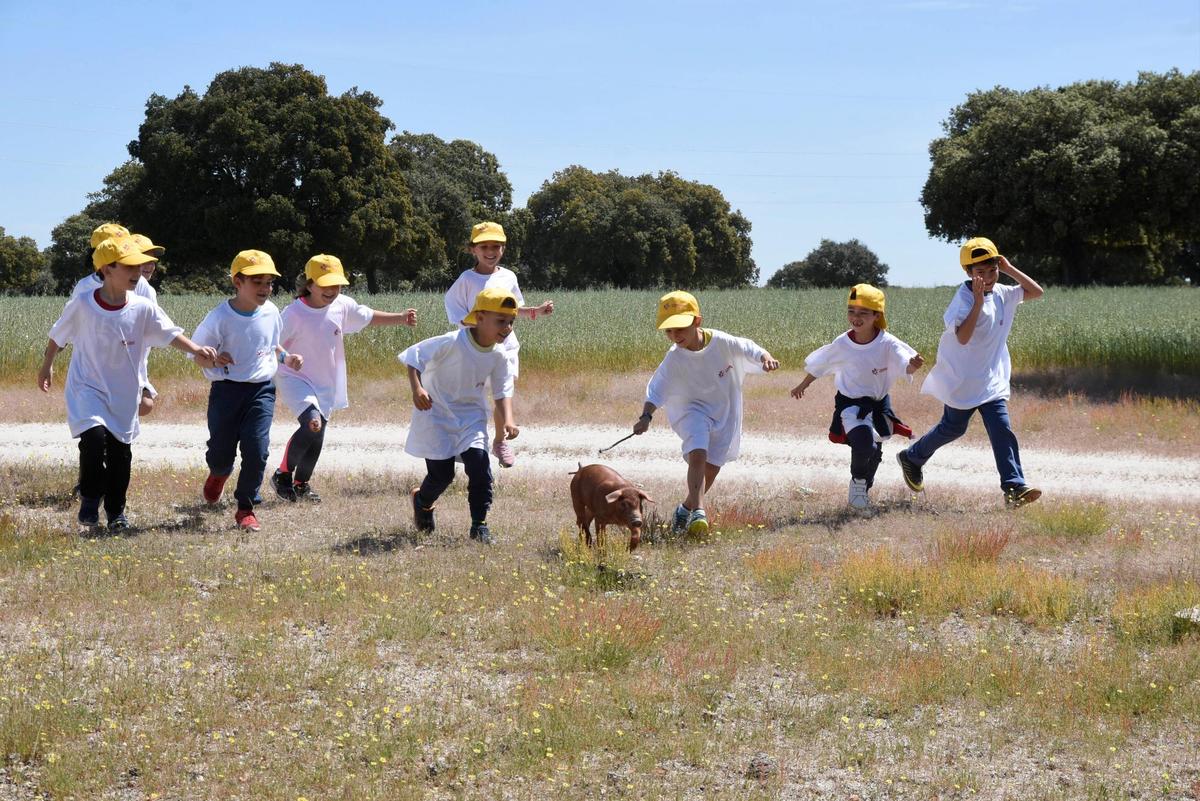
{"points": [[339, 654]]}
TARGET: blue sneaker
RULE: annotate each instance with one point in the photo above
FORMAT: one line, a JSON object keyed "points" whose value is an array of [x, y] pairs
{"points": [[480, 533], [697, 523], [119, 524], [681, 519]]}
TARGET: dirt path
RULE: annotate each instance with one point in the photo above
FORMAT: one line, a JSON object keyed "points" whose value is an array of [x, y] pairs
{"points": [[774, 461]]}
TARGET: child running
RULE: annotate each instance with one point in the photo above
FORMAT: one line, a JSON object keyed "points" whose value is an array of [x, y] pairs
{"points": [[487, 246], [865, 362], [91, 282], [245, 332], [700, 384], [110, 329], [973, 369], [315, 324], [447, 375]]}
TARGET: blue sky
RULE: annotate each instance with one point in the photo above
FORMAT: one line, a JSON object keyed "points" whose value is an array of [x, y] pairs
{"points": [[813, 118]]}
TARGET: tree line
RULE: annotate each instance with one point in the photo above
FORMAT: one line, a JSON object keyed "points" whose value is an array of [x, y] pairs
{"points": [[1089, 183]]}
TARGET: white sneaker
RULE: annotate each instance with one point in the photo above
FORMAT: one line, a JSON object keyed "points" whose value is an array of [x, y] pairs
{"points": [[858, 495]]}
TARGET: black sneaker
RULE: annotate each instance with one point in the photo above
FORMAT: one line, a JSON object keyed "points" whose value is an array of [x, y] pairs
{"points": [[89, 512], [304, 492], [118, 524], [282, 482], [480, 533], [423, 518], [1016, 497], [913, 475]]}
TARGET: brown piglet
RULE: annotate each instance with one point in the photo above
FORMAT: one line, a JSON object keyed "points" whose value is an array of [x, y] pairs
{"points": [[601, 494]]}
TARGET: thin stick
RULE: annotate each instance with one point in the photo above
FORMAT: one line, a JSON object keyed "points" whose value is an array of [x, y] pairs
{"points": [[615, 444]]}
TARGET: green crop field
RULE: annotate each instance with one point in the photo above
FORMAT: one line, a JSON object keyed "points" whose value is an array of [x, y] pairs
{"points": [[1135, 329]]}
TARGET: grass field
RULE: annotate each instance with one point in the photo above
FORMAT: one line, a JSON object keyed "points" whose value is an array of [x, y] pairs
{"points": [[798, 652], [1109, 329]]}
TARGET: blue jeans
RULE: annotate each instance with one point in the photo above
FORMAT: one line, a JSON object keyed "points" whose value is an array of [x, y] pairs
{"points": [[240, 413], [999, 430]]}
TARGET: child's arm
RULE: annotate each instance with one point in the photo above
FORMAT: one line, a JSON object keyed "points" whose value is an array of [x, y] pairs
{"points": [[292, 360], [205, 355], [532, 312], [506, 411], [798, 390], [966, 328], [769, 363], [643, 423], [420, 396], [914, 364], [407, 317], [1033, 290], [45, 374]]}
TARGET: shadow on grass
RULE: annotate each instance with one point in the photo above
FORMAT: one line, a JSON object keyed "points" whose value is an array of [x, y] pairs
{"points": [[836, 518], [377, 543], [1108, 384]]}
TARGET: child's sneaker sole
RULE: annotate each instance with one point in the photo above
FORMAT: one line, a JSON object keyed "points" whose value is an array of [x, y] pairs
{"points": [[1022, 497]]}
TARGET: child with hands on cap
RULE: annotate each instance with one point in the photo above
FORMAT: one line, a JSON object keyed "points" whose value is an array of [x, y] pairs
{"points": [[700, 383], [865, 362], [316, 324], [111, 329], [245, 331], [448, 375], [973, 369], [487, 247]]}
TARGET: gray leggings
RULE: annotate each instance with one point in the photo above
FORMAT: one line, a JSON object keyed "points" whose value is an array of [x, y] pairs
{"points": [[304, 448]]}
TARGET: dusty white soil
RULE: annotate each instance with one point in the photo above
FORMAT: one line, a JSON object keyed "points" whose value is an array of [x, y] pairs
{"points": [[777, 461]]}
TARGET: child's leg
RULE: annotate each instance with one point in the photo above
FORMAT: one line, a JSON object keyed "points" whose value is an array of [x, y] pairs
{"points": [[865, 453], [1004, 443], [952, 426], [700, 477], [91, 471], [479, 483], [304, 448], [254, 434], [438, 475], [224, 408], [118, 459]]}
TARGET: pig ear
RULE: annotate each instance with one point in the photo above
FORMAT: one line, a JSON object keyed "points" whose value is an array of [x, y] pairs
{"points": [[612, 496], [647, 498]]}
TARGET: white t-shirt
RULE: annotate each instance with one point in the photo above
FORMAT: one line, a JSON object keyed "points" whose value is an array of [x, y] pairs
{"points": [[454, 371], [862, 370], [90, 283], [967, 376], [703, 389], [317, 335], [104, 384], [249, 338], [460, 299]]}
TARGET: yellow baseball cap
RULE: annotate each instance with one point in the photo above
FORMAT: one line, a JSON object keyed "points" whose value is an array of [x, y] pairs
{"points": [[106, 231], [868, 297], [976, 250], [148, 247], [677, 310], [487, 232], [326, 270], [492, 299], [252, 262], [119, 250]]}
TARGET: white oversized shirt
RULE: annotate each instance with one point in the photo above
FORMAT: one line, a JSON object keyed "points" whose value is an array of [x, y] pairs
{"points": [[460, 298], [104, 379], [861, 371], [967, 376], [317, 335], [707, 382], [249, 338], [90, 283], [454, 371]]}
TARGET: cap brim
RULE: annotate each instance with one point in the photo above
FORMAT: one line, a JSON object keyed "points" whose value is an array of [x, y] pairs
{"points": [[331, 279], [677, 321], [489, 238], [133, 260], [157, 251], [260, 270]]}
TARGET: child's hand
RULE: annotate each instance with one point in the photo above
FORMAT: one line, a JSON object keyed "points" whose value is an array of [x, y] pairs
{"points": [[410, 317], [547, 307], [206, 355], [224, 359], [294, 361], [798, 391], [511, 431], [915, 363], [977, 290], [769, 363], [314, 425], [45, 377], [642, 425], [1004, 265], [422, 400]]}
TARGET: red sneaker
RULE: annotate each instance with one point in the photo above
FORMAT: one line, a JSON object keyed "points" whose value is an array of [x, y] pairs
{"points": [[246, 520], [212, 488]]}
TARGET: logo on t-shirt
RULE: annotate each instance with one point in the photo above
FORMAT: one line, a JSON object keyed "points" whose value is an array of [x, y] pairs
{"points": [[725, 372], [480, 384], [878, 370]]}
